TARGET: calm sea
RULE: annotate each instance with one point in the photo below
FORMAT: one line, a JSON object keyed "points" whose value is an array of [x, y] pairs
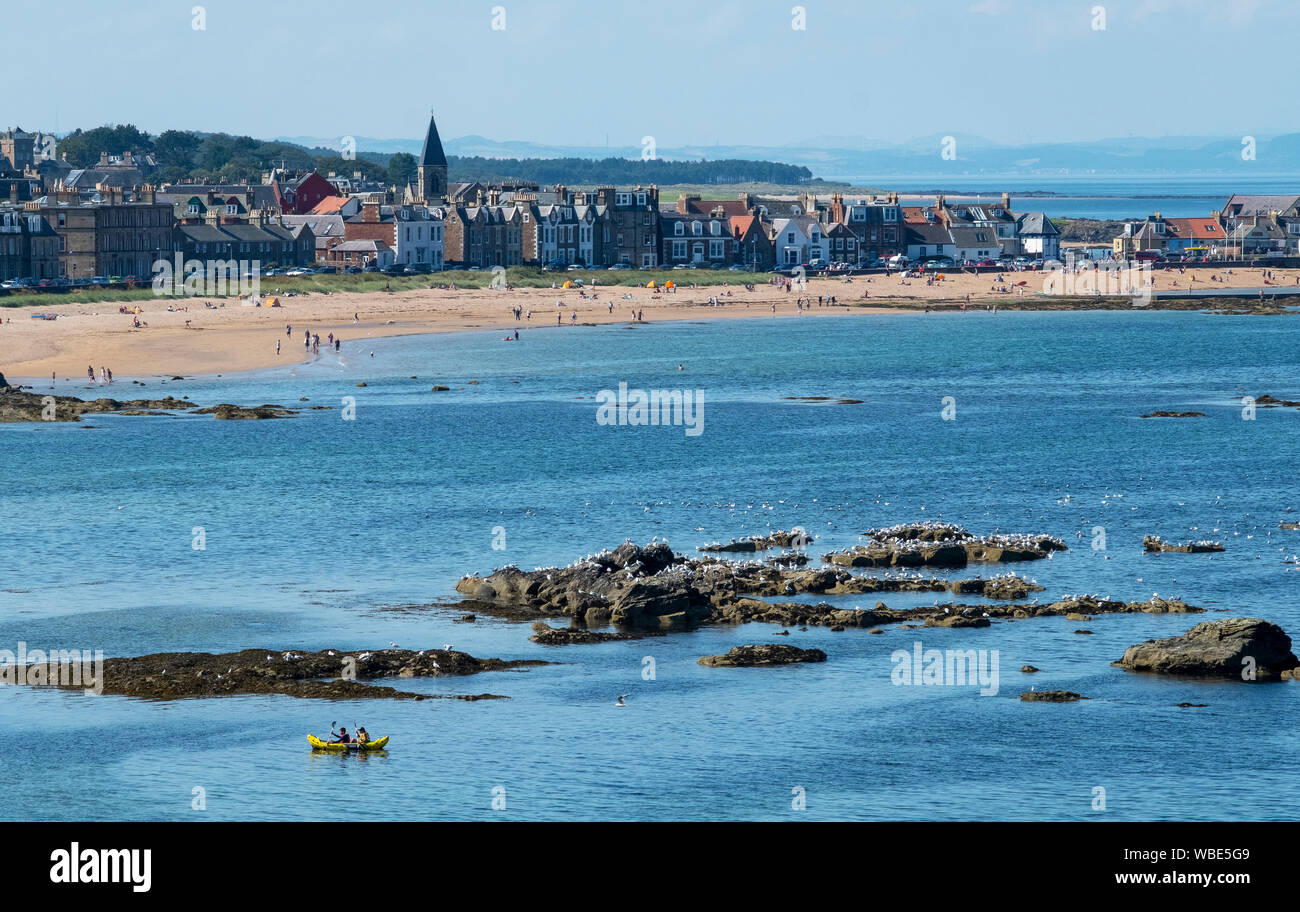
{"points": [[322, 532], [1093, 197]]}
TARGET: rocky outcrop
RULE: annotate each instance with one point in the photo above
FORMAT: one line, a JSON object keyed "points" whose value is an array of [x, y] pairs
{"points": [[652, 588], [795, 538], [227, 412], [329, 674], [752, 656], [1051, 696], [1238, 648], [1267, 401], [1154, 543], [934, 544], [20, 406], [547, 635]]}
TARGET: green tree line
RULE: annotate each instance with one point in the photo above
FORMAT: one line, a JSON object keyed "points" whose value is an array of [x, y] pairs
{"points": [[183, 154]]}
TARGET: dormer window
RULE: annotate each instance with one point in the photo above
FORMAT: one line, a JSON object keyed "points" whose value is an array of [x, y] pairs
{"points": [[696, 228], [716, 227], [679, 228]]}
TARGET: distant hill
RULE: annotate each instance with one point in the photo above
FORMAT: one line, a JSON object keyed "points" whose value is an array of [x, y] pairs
{"points": [[841, 158]]}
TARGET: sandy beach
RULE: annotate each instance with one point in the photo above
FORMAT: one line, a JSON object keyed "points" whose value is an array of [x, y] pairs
{"points": [[191, 338]]}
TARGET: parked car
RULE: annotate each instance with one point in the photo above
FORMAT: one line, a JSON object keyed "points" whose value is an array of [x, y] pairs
{"points": [[621, 266]]}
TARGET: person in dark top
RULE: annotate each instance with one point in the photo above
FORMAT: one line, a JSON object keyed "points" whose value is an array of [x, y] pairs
{"points": [[342, 737]]}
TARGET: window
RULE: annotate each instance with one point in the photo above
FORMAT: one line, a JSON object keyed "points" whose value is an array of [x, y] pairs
{"points": [[716, 249], [679, 250], [679, 229]]}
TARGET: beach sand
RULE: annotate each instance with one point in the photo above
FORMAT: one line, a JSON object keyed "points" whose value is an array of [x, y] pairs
{"points": [[193, 339]]}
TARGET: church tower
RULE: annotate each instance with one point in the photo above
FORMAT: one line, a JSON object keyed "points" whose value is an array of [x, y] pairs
{"points": [[433, 167]]}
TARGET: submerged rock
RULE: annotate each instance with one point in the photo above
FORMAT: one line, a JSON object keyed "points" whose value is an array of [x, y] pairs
{"points": [[328, 674], [1156, 543], [795, 538], [1238, 648], [547, 635], [934, 544], [751, 656], [227, 412], [1174, 415], [20, 406], [1051, 696]]}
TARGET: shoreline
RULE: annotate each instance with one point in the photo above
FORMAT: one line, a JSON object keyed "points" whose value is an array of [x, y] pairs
{"points": [[214, 337]]}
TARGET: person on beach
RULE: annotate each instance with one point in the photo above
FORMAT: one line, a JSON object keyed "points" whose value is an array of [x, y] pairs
{"points": [[288, 330], [356, 318], [90, 372], [53, 377], [337, 343], [277, 347]]}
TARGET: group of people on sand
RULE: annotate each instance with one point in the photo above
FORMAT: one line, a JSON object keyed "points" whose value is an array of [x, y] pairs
{"points": [[105, 375]]}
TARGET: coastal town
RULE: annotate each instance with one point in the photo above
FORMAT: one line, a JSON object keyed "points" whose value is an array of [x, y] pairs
{"points": [[111, 224]]}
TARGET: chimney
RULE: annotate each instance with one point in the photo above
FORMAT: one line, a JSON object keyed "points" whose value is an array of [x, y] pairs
{"points": [[13, 192], [683, 203], [370, 210], [103, 159], [126, 157], [1006, 201], [652, 194]]}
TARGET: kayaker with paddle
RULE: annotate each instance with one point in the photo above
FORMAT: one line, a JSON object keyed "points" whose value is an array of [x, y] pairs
{"points": [[341, 737], [363, 736]]}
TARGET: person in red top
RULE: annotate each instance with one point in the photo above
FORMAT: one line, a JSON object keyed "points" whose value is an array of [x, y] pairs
{"points": [[342, 737]]}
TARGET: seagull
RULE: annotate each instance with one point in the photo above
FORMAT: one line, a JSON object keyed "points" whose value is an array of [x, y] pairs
{"points": [[331, 652], [621, 698], [270, 658], [447, 647], [392, 645]]}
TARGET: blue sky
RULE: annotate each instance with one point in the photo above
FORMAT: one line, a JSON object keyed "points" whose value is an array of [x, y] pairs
{"points": [[684, 71]]}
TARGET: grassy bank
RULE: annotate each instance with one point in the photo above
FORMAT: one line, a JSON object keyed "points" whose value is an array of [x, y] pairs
{"points": [[516, 276]]}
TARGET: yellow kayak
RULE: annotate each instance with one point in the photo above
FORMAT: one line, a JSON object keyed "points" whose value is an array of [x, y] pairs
{"points": [[376, 745]]}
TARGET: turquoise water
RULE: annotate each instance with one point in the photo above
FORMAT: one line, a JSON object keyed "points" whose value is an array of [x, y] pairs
{"points": [[317, 529]]}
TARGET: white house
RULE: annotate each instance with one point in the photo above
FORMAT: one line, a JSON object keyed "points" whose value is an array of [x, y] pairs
{"points": [[799, 240], [1038, 236], [418, 235]]}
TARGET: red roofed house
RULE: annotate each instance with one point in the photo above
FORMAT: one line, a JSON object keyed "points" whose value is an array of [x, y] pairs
{"points": [[1183, 233], [753, 248], [300, 194], [346, 206]]}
